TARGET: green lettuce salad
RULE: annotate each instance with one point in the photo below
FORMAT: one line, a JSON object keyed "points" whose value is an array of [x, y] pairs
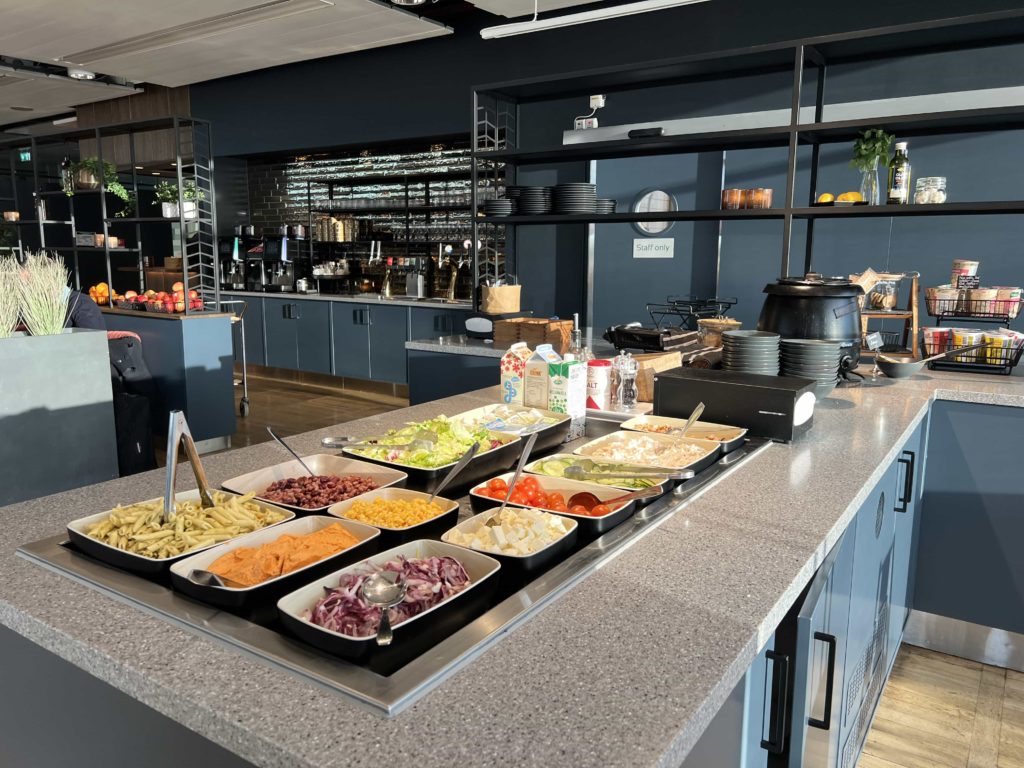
{"points": [[453, 439]]}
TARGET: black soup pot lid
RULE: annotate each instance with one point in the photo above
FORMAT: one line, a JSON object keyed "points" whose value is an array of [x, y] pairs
{"points": [[814, 285]]}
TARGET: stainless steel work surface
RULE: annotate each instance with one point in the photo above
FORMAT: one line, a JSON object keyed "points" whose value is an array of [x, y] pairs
{"points": [[389, 693]]}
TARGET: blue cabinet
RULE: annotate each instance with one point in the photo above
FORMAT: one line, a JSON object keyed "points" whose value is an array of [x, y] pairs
{"points": [[430, 323], [389, 330], [313, 335], [281, 338], [252, 319], [819, 660], [351, 323], [909, 484]]}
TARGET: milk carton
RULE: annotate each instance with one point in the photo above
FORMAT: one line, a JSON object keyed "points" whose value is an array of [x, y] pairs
{"points": [[513, 373], [537, 379], [567, 393]]}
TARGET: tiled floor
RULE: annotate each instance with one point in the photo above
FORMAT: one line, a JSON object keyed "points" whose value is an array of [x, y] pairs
{"points": [[940, 711], [290, 408]]}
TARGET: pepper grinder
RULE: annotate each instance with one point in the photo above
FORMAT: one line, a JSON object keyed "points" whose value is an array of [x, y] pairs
{"points": [[626, 368]]}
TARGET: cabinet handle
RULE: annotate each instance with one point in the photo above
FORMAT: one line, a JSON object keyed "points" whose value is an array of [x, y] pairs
{"points": [[776, 743], [286, 311], [830, 679], [908, 460], [356, 320], [296, 312], [369, 317]]}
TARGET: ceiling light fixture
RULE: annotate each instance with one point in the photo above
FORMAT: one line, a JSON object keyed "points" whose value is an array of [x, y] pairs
{"points": [[66, 120], [23, 109], [81, 74], [197, 30], [584, 17]]}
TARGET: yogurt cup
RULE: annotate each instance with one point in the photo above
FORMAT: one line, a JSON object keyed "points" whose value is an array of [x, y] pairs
{"points": [[936, 340], [965, 337], [963, 267], [1008, 300], [997, 348]]}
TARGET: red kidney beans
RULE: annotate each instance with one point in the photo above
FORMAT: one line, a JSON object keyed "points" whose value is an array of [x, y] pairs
{"points": [[317, 491]]}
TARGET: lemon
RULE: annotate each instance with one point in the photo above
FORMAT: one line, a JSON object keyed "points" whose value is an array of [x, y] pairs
{"points": [[826, 197], [850, 197]]}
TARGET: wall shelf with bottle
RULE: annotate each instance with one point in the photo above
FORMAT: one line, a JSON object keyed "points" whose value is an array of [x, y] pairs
{"points": [[498, 156]]}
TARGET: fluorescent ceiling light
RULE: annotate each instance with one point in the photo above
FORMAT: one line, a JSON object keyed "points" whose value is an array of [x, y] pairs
{"points": [[197, 30], [584, 17]]}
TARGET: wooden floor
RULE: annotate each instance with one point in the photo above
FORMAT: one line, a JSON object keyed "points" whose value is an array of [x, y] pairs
{"points": [[940, 711], [290, 408]]}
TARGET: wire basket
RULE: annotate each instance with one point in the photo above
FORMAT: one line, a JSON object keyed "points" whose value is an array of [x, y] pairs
{"points": [[986, 309], [986, 360]]}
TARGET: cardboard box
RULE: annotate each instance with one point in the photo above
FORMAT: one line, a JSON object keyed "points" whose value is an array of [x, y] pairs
{"points": [[513, 374], [567, 394], [650, 365], [537, 375]]}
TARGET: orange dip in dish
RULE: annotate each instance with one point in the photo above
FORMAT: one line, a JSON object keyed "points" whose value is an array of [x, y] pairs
{"points": [[254, 565]]}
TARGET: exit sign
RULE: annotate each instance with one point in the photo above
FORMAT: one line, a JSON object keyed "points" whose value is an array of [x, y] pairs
{"points": [[25, 155]]}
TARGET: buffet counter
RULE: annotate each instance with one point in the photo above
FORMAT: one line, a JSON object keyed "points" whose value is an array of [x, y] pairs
{"points": [[627, 668], [359, 298]]}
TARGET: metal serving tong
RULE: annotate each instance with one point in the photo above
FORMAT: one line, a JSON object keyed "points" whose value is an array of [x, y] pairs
{"points": [[178, 432], [424, 439]]}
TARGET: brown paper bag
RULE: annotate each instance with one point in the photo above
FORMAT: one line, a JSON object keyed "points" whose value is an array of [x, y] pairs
{"points": [[500, 299]]}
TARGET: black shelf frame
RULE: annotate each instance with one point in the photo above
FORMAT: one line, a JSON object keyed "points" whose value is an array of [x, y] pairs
{"points": [[193, 162], [495, 110]]}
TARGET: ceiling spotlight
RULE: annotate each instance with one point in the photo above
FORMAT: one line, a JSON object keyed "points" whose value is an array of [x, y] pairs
{"points": [[81, 74]]}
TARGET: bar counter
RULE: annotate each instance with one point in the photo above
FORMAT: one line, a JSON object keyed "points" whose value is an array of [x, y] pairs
{"points": [[626, 669]]}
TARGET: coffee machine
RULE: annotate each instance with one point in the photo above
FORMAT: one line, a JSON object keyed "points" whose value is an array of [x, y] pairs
{"points": [[232, 266], [279, 269]]}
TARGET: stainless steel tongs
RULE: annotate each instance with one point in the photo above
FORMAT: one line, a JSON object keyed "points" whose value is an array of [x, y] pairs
{"points": [[178, 432]]}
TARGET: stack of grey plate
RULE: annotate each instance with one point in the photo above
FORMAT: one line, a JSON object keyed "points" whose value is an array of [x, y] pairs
{"points": [[751, 352], [533, 200], [812, 359], [575, 198], [500, 207], [605, 205]]}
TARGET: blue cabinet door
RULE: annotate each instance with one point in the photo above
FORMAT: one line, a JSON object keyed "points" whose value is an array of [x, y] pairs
{"points": [[313, 331], [389, 331], [281, 338], [431, 323], [351, 325], [763, 711], [870, 606], [252, 320], [909, 482], [820, 659]]}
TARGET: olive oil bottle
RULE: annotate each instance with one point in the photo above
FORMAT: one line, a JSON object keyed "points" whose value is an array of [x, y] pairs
{"points": [[899, 176]]}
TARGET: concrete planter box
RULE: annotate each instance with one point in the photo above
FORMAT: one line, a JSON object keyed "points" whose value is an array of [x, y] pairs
{"points": [[56, 414]]}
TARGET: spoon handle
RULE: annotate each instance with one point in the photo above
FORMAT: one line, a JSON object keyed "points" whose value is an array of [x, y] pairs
{"points": [[646, 493], [466, 458], [523, 459], [693, 417], [384, 633], [288, 448]]}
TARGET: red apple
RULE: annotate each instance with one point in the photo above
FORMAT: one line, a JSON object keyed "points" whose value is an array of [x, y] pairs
{"points": [[179, 286], [179, 306], [130, 294], [193, 295]]}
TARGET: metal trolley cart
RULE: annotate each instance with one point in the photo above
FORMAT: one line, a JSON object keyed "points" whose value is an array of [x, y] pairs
{"points": [[236, 319]]}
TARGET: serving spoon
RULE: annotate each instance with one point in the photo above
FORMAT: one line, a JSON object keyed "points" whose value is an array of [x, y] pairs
{"points": [[681, 431], [384, 589], [461, 465], [210, 579], [589, 500], [288, 448]]}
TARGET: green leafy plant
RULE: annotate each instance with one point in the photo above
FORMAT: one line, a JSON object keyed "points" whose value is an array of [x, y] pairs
{"points": [[167, 192], [872, 147], [129, 206], [108, 173], [10, 298], [43, 291]]}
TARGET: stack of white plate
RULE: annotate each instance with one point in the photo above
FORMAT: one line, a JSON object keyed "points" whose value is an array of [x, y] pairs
{"points": [[812, 359], [751, 352]]}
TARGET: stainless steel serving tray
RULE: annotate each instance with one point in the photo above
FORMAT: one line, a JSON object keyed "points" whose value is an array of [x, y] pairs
{"points": [[387, 694]]}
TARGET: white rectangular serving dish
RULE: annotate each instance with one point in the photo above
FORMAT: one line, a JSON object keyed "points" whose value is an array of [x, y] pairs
{"points": [[711, 449], [78, 531], [531, 468], [391, 536], [322, 464], [534, 558]]}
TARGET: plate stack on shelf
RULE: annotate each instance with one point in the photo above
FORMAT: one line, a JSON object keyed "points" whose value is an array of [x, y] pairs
{"points": [[500, 207], [751, 352], [575, 198], [812, 359], [605, 205], [533, 201]]}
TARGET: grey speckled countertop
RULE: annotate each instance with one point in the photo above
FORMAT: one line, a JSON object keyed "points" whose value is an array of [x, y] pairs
{"points": [[464, 345], [398, 301], [626, 669]]}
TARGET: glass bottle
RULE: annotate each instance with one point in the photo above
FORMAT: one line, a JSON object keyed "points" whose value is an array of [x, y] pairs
{"points": [[385, 288], [66, 181], [899, 176]]}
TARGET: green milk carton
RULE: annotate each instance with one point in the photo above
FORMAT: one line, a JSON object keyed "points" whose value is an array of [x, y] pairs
{"points": [[567, 393]]}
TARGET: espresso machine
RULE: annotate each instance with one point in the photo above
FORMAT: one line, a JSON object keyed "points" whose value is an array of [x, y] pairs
{"points": [[278, 267], [232, 265]]}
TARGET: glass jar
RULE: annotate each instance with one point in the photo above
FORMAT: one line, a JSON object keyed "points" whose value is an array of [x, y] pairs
{"points": [[930, 190], [732, 199], [759, 197], [883, 295]]}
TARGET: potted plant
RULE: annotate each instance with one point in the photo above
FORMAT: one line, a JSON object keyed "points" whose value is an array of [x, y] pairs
{"points": [[87, 173], [10, 299], [167, 198], [43, 293], [872, 146]]}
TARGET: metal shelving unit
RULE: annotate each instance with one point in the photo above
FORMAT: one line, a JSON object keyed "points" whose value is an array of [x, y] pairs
{"points": [[497, 154], [192, 163]]}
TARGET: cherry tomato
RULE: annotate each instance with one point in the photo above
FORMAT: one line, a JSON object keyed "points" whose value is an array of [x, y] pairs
{"points": [[555, 496], [481, 491], [497, 484], [530, 483], [519, 497], [559, 506], [579, 509], [600, 510]]}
